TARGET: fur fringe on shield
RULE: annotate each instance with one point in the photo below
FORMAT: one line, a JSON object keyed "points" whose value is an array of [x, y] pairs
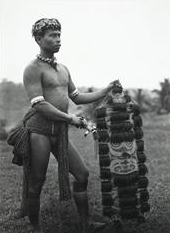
{"points": [[142, 169], [103, 148], [127, 98], [140, 145], [107, 200], [101, 123], [143, 182], [122, 137], [100, 112], [144, 195], [118, 117], [129, 213], [127, 191], [136, 109], [103, 136], [137, 121], [138, 133], [126, 180], [121, 127], [145, 207], [106, 186], [116, 89], [119, 107], [104, 161], [124, 192], [130, 201], [141, 157], [105, 173]]}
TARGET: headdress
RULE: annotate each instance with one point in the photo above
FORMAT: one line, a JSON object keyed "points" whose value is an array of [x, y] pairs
{"points": [[43, 24]]}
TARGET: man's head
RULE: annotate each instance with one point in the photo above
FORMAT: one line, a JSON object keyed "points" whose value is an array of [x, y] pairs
{"points": [[47, 33], [42, 25]]}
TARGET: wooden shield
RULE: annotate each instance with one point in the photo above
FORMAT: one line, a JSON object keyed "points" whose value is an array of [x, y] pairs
{"points": [[121, 156]]}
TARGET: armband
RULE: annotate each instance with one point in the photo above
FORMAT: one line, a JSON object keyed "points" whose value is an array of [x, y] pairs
{"points": [[74, 93], [36, 100]]}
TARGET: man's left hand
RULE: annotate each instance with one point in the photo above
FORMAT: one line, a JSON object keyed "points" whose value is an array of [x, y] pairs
{"points": [[84, 123], [115, 83], [111, 85]]}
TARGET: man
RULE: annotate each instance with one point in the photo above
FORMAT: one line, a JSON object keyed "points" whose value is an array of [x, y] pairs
{"points": [[49, 87]]}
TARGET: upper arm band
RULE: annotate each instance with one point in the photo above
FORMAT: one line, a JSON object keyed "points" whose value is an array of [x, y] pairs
{"points": [[74, 93], [36, 100]]}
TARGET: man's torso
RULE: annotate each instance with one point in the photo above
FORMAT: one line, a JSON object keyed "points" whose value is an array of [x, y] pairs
{"points": [[54, 84]]}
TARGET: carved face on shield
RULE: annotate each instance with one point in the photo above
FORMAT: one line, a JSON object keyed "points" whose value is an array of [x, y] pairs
{"points": [[123, 157]]}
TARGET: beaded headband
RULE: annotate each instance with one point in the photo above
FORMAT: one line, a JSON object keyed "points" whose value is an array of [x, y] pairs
{"points": [[43, 24]]}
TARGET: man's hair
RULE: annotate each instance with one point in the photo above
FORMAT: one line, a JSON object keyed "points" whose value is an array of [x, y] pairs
{"points": [[42, 25]]}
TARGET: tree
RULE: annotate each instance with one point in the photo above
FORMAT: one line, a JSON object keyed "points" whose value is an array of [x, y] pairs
{"points": [[163, 96], [3, 132], [143, 99], [13, 101]]}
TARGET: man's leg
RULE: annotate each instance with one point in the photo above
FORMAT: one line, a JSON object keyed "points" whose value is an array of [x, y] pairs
{"points": [[78, 169], [40, 152], [80, 173]]}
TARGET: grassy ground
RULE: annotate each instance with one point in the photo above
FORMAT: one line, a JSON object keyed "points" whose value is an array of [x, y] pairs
{"points": [[157, 148]]}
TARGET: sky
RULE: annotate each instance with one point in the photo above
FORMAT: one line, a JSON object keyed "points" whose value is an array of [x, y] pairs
{"points": [[101, 40]]}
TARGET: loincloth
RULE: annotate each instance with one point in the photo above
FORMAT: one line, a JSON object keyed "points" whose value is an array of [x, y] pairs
{"points": [[36, 123], [19, 138]]}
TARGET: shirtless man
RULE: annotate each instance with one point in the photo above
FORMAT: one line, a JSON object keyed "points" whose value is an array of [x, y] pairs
{"points": [[49, 87]]}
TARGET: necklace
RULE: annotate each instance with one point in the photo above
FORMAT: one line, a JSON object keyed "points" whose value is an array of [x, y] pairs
{"points": [[50, 61]]}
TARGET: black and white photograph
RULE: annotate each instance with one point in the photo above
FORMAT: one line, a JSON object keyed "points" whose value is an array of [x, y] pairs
{"points": [[85, 116]]}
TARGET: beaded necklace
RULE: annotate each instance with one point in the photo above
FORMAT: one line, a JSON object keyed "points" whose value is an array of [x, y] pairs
{"points": [[50, 61]]}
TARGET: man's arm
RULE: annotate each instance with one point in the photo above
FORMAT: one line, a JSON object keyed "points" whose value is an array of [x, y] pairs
{"points": [[32, 83], [85, 98]]}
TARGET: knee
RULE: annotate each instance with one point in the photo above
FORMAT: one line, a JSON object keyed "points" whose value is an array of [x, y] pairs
{"points": [[83, 176], [35, 185], [80, 184]]}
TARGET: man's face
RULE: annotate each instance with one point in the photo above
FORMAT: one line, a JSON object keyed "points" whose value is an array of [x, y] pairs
{"points": [[50, 41]]}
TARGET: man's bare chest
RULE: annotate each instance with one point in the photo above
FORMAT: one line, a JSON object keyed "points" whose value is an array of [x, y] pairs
{"points": [[53, 79]]}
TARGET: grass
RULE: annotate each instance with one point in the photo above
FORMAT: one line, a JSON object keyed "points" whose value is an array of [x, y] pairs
{"points": [[157, 148]]}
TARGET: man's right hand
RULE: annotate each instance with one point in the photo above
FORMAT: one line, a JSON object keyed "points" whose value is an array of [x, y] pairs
{"points": [[78, 122]]}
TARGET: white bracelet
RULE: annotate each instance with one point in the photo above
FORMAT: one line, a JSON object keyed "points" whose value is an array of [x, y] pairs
{"points": [[74, 93], [37, 99]]}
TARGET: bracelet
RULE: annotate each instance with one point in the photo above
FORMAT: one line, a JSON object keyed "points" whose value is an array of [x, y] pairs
{"points": [[36, 100], [74, 93]]}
